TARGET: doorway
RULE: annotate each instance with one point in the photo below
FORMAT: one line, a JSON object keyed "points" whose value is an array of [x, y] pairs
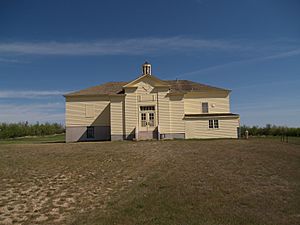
{"points": [[147, 122]]}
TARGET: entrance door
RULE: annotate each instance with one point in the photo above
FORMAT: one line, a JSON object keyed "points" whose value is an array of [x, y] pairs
{"points": [[147, 122]]}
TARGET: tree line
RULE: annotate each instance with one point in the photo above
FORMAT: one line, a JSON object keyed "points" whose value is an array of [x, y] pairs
{"points": [[271, 130], [13, 130]]}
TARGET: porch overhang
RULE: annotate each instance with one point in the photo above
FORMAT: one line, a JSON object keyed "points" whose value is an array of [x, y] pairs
{"points": [[211, 115]]}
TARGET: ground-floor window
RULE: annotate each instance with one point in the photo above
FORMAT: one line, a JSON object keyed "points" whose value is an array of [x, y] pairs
{"points": [[90, 132], [143, 120], [216, 123], [213, 123]]}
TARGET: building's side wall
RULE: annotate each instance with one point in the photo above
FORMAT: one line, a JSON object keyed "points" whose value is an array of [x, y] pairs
{"points": [[218, 102], [163, 112], [82, 112], [131, 115], [117, 118], [177, 125], [198, 128]]}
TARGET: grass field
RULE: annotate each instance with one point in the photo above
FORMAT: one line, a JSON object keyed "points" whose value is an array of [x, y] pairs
{"points": [[221, 182]]}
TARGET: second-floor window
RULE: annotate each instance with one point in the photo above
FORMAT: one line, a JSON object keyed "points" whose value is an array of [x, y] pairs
{"points": [[204, 107]]}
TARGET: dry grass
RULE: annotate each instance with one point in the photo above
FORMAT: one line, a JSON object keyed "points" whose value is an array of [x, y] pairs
{"points": [[171, 182]]}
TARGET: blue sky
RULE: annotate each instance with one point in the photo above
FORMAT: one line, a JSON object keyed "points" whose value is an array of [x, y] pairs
{"points": [[252, 47]]}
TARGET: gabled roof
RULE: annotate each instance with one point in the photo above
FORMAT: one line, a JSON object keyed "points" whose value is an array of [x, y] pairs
{"points": [[158, 81], [110, 88], [188, 86], [116, 88]]}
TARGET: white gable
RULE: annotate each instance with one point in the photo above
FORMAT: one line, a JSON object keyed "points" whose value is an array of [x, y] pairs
{"points": [[152, 80]]}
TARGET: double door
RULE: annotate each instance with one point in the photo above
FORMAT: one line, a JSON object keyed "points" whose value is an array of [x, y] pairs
{"points": [[147, 118]]}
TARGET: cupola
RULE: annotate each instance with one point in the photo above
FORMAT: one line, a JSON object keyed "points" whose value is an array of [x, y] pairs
{"points": [[146, 68]]}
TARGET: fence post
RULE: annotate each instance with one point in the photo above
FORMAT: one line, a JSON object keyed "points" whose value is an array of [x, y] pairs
{"points": [[246, 134]]}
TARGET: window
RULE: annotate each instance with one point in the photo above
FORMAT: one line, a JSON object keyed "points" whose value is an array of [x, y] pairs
{"points": [[147, 108], [143, 120], [204, 107], [151, 119], [90, 133], [216, 123], [213, 124]]}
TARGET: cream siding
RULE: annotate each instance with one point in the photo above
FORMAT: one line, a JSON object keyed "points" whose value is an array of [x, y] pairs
{"points": [[177, 114], [198, 128], [163, 112], [145, 93], [117, 115], [131, 115], [193, 104], [88, 111]]}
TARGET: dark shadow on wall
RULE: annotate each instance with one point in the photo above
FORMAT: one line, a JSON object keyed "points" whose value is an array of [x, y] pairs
{"points": [[155, 133], [131, 135], [101, 132], [123, 119]]}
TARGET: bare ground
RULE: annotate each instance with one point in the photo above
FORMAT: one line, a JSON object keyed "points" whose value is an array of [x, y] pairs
{"points": [[170, 182]]}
